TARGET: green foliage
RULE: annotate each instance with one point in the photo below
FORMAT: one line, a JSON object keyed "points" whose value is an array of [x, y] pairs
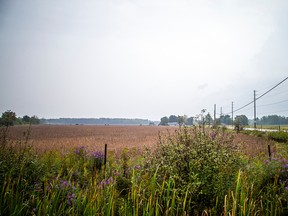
{"points": [[240, 121], [273, 120], [279, 136], [164, 121], [204, 164], [173, 118], [190, 121], [8, 118], [208, 119], [254, 133], [225, 119]]}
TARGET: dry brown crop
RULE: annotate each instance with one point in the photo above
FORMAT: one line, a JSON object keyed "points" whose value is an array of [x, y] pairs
{"points": [[67, 137]]}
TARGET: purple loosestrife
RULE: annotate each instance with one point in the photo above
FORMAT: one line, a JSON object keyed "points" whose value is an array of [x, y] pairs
{"points": [[137, 167], [80, 151], [97, 155], [106, 182]]}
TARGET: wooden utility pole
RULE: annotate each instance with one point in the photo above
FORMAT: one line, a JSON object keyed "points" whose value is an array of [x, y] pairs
{"points": [[214, 114], [254, 109], [232, 114]]}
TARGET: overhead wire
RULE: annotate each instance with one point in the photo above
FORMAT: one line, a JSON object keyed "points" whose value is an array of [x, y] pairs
{"points": [[257, 98], [272, 103]]}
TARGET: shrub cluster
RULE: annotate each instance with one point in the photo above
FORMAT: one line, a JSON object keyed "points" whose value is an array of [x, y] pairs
{"points": [[203, 163], [279, 136]]}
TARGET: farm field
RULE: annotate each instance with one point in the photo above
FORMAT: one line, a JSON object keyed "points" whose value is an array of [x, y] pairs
{"points": [[63, 138], [185, 171]]}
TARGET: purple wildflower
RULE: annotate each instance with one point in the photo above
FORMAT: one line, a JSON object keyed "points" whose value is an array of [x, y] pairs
{"points": [[102, 183], [80, 150], [116, 173], [97, 155], [108, 181], [71, 199], [213, 135], [137, 167]]}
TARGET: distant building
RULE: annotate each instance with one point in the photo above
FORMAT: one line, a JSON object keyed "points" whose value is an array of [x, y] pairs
{"points": [[173, 124]]}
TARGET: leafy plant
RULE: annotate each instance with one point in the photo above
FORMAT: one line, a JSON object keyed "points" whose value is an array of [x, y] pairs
{"points": [[202, 163], [279, 136]]}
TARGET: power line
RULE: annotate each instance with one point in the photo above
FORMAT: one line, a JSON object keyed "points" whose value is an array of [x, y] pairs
{"points": [[272, 88], [259, 96], [279, 111], [272, 103]]}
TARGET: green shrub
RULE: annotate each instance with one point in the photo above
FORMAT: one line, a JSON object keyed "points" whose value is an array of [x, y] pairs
{"points": [[202, 163], [279, 136]]}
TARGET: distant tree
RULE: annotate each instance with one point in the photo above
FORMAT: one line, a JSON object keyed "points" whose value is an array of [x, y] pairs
{"points": [[240, 121], [190, 121], [273, 120], [164, 121], [173, 118], [208, 119], [35, 120], [201, 117], [226, 119], [8, 118], [26, 119], [182, 120]]}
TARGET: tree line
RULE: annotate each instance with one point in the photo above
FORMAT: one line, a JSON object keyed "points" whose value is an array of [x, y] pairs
{"points": [[10, 118], [223, 120], [273, 120]]}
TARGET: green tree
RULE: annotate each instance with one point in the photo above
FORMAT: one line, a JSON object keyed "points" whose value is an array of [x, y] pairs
{"points": [[8, 118], [225, 119], [240, 121], [190, 121], [26, 119], [35, 120], [182, 120], [164, 121], [173, 118], [208, 119]]}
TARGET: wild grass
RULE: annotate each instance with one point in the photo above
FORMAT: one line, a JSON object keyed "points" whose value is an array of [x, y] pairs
{"points": [[190, 171]]}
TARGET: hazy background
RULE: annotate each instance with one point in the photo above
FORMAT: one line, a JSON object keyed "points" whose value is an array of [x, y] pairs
{"points": [[142, 59]]}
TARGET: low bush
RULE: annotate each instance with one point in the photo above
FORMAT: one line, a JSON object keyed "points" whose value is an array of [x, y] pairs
{"points": [[279, 136], [204, 163]]}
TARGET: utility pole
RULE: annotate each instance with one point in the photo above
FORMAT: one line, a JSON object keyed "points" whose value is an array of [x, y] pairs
{"points": [[254, 109], [220, 119], [232, 114], [214, 114]]}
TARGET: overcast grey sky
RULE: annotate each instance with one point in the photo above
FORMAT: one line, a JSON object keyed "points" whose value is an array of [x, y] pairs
{"points": [[141, 59]]}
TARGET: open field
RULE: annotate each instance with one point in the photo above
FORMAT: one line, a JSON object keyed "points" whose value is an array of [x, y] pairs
{"points": [[67, 137], [193, 171]]}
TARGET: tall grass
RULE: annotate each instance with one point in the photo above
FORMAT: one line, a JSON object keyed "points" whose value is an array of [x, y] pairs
{"points": [[191, 172]]}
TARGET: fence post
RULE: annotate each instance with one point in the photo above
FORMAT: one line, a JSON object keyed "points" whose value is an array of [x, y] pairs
{"points": [[269, 152], [105, 154]]}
